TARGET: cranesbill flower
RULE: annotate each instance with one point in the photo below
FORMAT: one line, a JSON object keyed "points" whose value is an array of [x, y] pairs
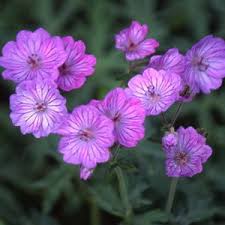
{"points": [[86, 138], [127, 115], [169, 140], [157, 90], [205, 65], [185, 159], [37, 107], [132, 41], [32, 55], [78, 65], [172, 61]]}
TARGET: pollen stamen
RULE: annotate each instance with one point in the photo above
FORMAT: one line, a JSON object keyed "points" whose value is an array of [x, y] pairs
{"points": [[86, 135], [40, 107], [181, 158], [34, 61]]}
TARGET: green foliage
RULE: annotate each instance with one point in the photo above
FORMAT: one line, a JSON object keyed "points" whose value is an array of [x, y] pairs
{"points": [[109, 202], [37, 188], [151, 218]]}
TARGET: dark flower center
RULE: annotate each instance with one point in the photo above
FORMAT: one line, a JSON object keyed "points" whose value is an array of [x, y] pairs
{"points": [[181, 158], [64, 69], [40, 107], [152, 94], [86, 135], [116, 117], [34, 61], [200, 63], [186, 92], [132, 46]]}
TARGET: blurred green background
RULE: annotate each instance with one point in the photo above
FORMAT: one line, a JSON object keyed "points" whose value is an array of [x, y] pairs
{"points": [[37, 188]]}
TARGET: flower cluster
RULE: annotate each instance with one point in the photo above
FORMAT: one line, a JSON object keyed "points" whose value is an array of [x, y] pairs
{"points": [[38, 55], [127, 115], [41, 65], [90, 130]]}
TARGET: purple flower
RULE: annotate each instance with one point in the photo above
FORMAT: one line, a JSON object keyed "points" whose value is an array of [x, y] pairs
{"points": [[169, 140], [127, 115], [37, 107], [172, 61], [85, 173], [205, 65], [185, 159], [132, 41], [157, 90], [86, 138], [78, 65], [32, 55]]}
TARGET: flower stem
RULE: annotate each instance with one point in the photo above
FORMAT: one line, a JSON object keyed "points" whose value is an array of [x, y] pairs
{"points": [[171, 195], [129, 67], [116, 152], [164, 120], [177, 114], [124, 194], [94, 213]]}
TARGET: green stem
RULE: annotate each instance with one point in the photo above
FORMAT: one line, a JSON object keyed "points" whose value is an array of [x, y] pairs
{"points": [[94, 213], [124, 194], [177, 114], [171, 195], [132, 66], [129, 67], [164, 120], [155, 140], [116, 152]]}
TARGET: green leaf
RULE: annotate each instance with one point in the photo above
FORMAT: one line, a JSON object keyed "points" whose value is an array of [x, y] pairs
{"points": [[107, 199], [54, 185], [151, 218]]}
